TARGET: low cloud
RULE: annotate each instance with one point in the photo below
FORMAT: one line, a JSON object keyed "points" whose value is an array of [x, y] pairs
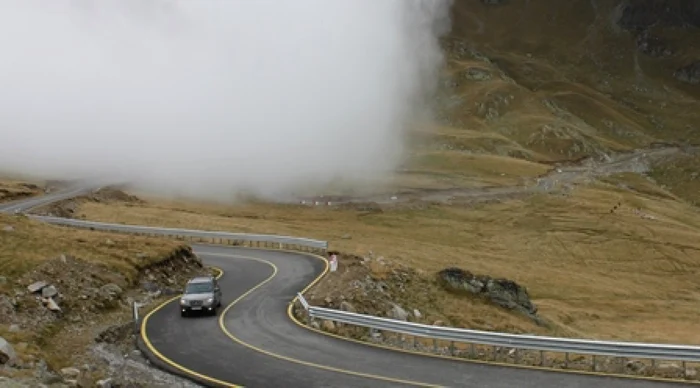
{"points": [[208, 98]]}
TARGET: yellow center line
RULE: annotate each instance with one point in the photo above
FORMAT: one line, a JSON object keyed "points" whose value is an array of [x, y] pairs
{"points": [[364, 343], [438, 356], [152, 349], [228, 308]]}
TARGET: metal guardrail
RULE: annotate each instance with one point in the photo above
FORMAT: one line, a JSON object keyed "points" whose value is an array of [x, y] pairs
{"points": [[453, 335], [135, 315], [516, 341], [267, 239]]}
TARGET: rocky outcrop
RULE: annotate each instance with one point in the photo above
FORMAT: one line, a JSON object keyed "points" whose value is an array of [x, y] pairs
{"points": [[653, 46], [689, 74], [71, 299], [642, 14], [502, 292]]}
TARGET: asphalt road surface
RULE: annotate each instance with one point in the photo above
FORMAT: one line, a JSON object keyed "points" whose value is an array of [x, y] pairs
{"points": [[265, 348], [253, 343], [30, 203]]}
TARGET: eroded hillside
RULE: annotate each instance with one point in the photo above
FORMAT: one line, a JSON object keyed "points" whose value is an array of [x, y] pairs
{"points": [[558, 81]]}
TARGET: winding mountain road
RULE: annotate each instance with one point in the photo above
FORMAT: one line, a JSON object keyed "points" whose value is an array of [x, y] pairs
{"points": [[253, 341]]}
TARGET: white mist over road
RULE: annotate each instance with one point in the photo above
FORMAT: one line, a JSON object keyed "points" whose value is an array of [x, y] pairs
{"points": [[206, 98]]}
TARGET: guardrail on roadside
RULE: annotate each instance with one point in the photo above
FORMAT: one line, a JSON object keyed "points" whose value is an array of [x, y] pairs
{"points": [[135, 315], [256, 240], [630, 350]]}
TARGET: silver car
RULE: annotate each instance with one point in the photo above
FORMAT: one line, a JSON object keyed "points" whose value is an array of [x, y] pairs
{"points": [[202, 294]]}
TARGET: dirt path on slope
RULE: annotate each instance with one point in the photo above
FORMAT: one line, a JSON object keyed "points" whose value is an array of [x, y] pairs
{"points": [[560, 178]]}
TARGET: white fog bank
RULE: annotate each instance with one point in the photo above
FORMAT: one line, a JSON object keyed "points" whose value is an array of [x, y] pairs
{"points": [[208, 97]]}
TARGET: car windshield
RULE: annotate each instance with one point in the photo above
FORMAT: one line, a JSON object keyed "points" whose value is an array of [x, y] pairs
{"points": [[199, 288]]}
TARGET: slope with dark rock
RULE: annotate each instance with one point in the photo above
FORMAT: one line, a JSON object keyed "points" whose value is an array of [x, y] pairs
{"points": [[563, 80]]}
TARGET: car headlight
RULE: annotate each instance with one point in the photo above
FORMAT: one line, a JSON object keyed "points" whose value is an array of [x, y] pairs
{"points": [[183, 302], [210, 300]]}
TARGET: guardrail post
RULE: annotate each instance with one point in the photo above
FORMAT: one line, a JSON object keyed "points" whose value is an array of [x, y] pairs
{"points": [[516, 356], [452, 348], [135, 314], [566, 360], [435, 350], [541, 357], [685, 370], [472, 350], [593, 363]]}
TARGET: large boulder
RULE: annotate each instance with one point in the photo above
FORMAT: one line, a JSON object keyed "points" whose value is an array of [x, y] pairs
{"points": [[502, 292], [7, 353]]}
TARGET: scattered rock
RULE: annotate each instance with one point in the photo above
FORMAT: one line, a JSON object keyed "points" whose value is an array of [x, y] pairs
{"points": [[111, 290], [477, 74], [7, 307], [37, 286], [635, 366], [653, 46], [49, 292], [689, 74], [346, 237], [6, 382], [3, 280], [150, 287], [417, 314], [106, 383], [346, 306], [14, 328], [8, 228], [398, 313], [51, 304], [7, 353], [70, 373], [328, 326], [669, 367]]}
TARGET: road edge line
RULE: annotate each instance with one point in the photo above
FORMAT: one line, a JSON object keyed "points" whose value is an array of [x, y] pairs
{"points": [[159, 360], [237, 340], [319, 277], [290, 314]]}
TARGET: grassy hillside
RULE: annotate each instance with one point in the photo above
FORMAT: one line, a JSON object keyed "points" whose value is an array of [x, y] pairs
{"points": [[531, 174]]}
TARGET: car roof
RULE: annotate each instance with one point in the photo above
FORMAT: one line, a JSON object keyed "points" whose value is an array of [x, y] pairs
{"points": [[201, 279]]}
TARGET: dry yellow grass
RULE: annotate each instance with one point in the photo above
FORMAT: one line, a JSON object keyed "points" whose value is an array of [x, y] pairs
{"points": [[31, 242], [592, 272], [27, 244], [572, 87], [576, 85], [11, 189], [682, 177]]}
